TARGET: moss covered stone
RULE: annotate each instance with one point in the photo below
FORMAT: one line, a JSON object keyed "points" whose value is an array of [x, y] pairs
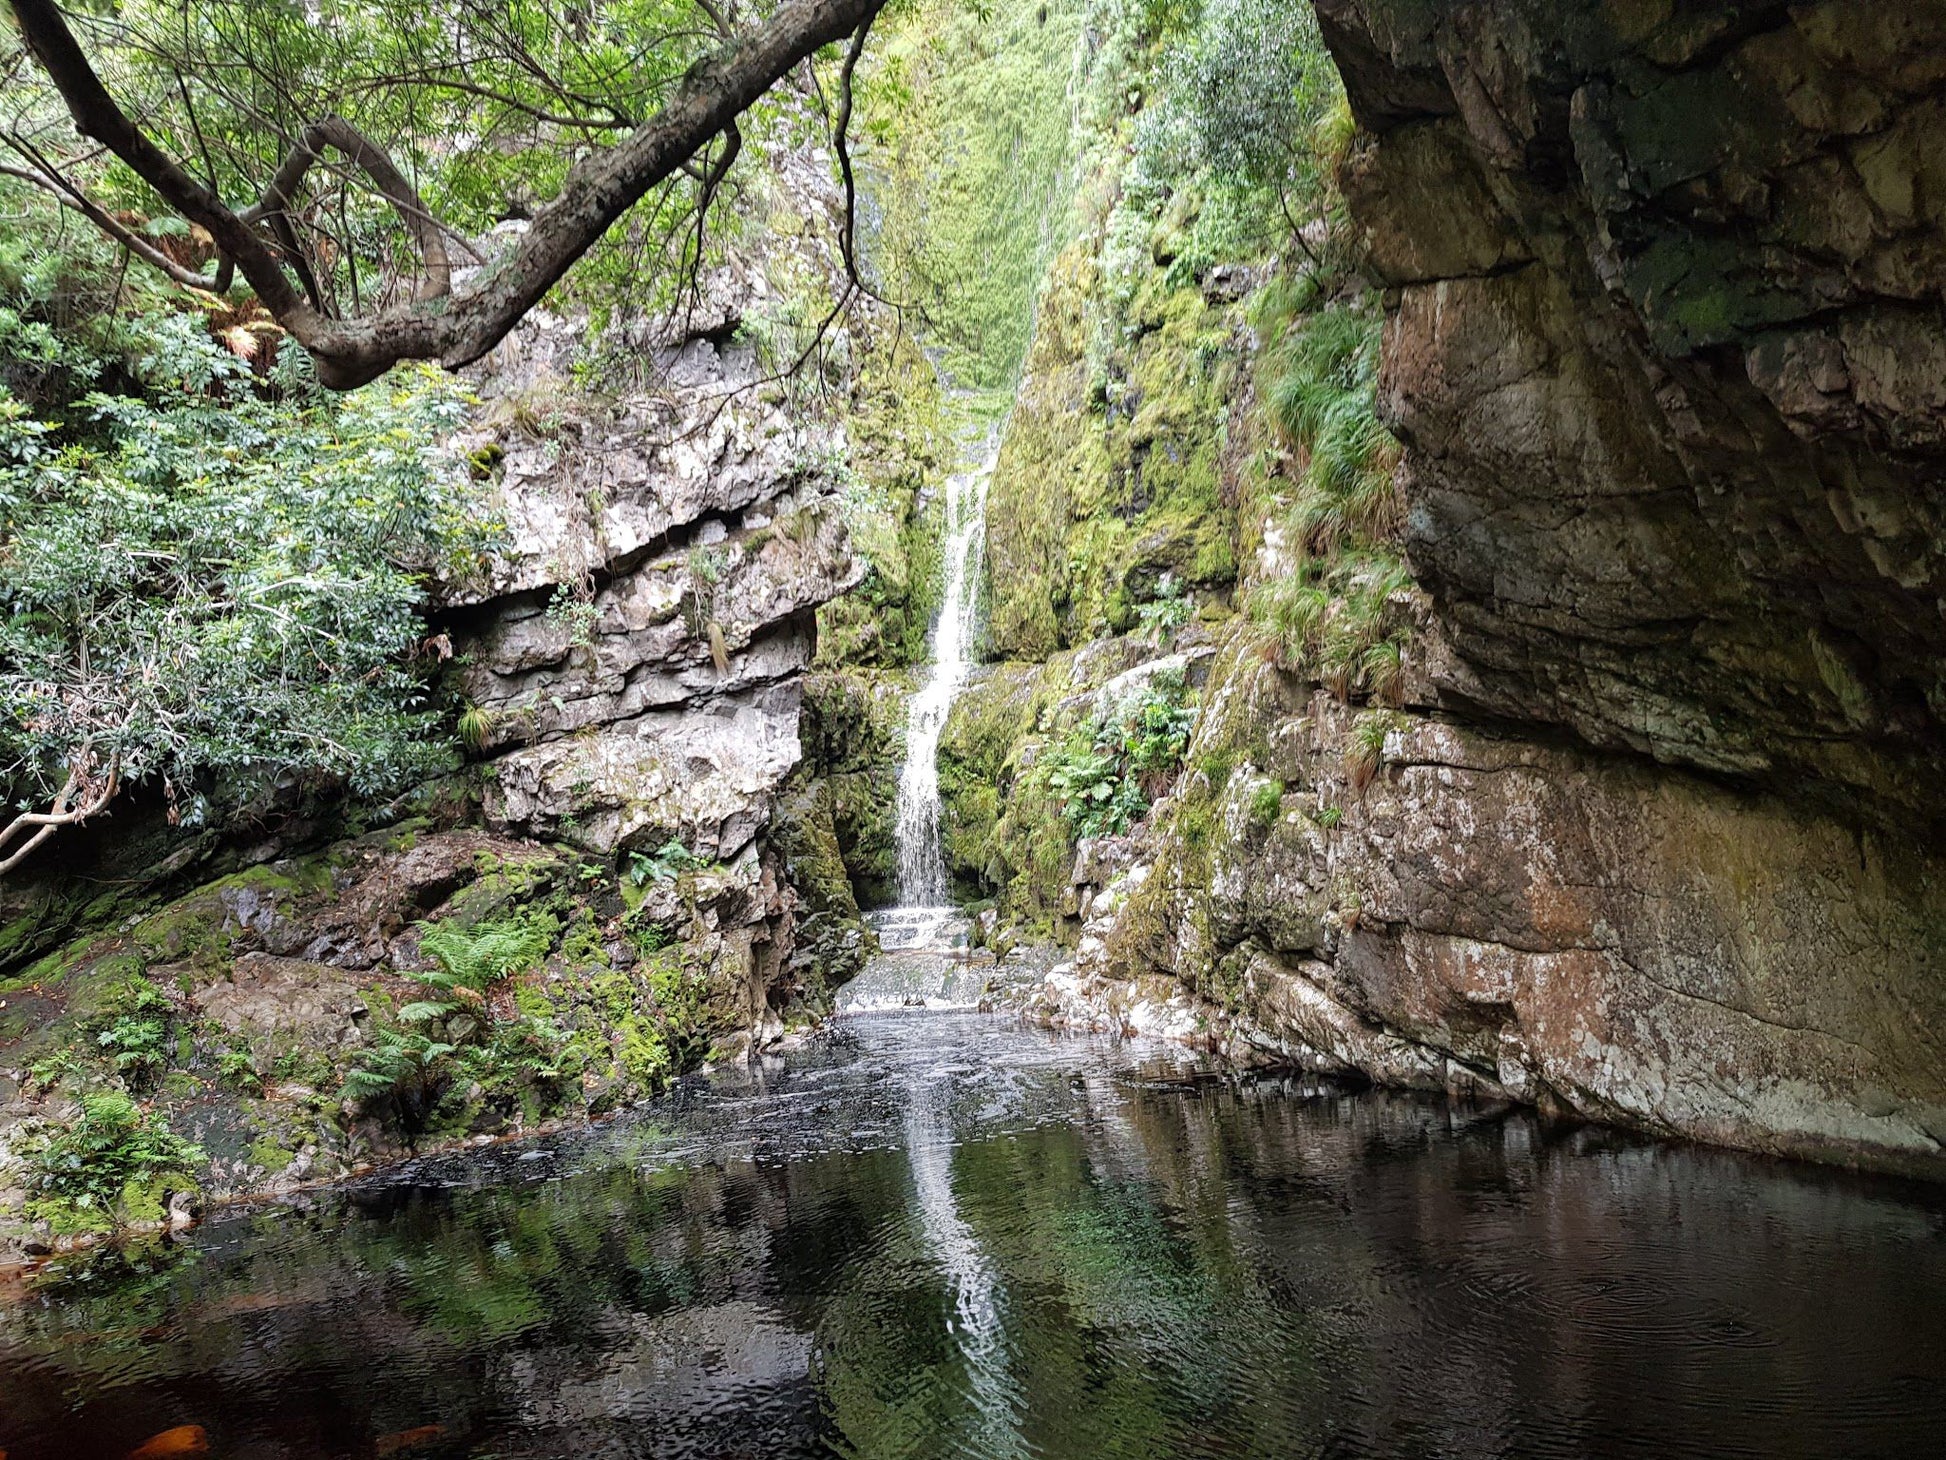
{"points": [[1111, 474]]}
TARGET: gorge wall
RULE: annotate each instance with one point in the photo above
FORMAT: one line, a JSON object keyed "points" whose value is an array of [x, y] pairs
{"points": [[1646, 827], [630, 823]]}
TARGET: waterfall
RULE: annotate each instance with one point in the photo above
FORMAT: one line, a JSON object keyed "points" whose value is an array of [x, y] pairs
{"points": [[923, 888]]}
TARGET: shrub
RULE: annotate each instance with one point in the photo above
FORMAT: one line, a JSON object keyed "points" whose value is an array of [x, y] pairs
{"points": [[411, 1069], [94, 1166], [474, 958], [1107, 772], [405, 1068], [206, 581]]}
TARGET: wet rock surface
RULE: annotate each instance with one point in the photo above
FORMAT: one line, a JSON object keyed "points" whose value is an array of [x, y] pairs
{"points": [[1650, 834], [1664, 350]]}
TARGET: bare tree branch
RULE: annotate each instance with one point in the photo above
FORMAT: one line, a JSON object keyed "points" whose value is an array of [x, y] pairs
{"points": [[83, 794], [840, 130], [370, 159], [459, 328]]}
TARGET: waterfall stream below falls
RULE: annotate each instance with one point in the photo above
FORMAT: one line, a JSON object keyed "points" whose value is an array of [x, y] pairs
{"points": [[925, 916]]}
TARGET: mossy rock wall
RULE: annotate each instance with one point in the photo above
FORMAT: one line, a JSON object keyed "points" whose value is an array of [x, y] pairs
{"points": [[1111, 473], [853, 731]]}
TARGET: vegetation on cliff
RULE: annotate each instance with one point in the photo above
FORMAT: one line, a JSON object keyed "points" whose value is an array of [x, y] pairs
{"points": [[1194, 462], [210, 578]]}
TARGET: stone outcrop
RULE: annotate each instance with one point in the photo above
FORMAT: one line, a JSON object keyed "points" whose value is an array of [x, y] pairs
{"points": [[637, 669], [1666, 352], [1651, 832], [1537, 922]]}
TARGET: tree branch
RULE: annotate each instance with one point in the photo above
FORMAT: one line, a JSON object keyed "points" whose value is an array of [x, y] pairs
{"points": [[44, 176], [459, 328], [94, 795], [371, 159], [848, 235]]}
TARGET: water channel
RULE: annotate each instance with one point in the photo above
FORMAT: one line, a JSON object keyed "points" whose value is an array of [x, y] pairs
{"points": [[930, 1234]]}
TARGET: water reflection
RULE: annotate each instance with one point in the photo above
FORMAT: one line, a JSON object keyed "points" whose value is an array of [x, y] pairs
{"points": [[941, 1235]]}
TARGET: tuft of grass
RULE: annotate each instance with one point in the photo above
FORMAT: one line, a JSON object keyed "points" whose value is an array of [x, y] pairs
{"points": [[1333, 618], [475, 726], [1321, 392], [1365, 750]]}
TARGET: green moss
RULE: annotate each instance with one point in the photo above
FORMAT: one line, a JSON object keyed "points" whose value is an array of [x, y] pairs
{"points": [[271, 1154], [201, 926], [1111, 475], [989, 725], [901, 446], [510, 888], [853, 732], [973, 113]]}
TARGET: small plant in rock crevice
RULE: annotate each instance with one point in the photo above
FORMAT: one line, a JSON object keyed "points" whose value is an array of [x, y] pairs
{"points": [[97, 1170], [1108, 771], [667, 862], [1266, 804], [1158, 620], [1365, 747]]}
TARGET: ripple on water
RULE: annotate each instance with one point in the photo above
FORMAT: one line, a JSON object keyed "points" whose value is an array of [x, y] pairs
{"points": [[945, 1234]]}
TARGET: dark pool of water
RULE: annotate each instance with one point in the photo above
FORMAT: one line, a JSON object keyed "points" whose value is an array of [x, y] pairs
{"points": [[941, 1234]]}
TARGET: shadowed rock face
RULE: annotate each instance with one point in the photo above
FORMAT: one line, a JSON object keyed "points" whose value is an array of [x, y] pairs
{"points": [[1655, 837], [1667, 354]]}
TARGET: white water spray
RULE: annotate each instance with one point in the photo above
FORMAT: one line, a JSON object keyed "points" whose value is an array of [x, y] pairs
{"points": [[925, 895]]}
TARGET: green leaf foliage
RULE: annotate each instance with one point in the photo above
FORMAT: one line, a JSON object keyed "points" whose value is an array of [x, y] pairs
{"points": [[216, 579], [1106, 773], [113, 1143]]}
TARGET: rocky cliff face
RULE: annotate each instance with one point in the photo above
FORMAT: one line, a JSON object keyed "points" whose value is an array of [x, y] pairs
{"points": [[1665, 348], [635, 657], [1650, 832]]}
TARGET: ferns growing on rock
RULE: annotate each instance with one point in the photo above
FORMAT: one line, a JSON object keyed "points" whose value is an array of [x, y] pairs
{"points": [[473, 958]]}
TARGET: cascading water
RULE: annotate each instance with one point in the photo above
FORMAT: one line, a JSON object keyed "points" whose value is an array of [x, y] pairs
{"points": [[925, 912]]}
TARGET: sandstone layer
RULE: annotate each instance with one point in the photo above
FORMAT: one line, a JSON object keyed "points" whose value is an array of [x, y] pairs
{"points": [[1652, 833]]}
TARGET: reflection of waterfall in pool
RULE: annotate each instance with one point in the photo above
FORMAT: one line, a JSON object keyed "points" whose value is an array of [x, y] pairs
{"points": [[978, 1325], [924, 914]]}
